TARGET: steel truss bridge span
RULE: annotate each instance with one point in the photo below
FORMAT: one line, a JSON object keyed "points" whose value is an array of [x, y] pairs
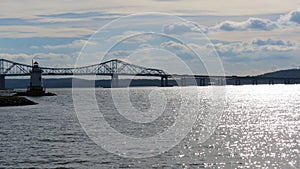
{"points": [[111, 67]]}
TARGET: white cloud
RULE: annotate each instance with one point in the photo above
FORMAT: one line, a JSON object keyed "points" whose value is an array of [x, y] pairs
{"points": [[124, 36], [51, 56], [119, 54], [18, 56], [292, 17], [178, 49], [75, 44], [38, 56], [34, 47], [287, 20], [273, 45], [62, 20], [262, 42], [138, 38], [22, 31], [146, 46], [250, 24], [32, 8], [183, 27], [253, 48]]}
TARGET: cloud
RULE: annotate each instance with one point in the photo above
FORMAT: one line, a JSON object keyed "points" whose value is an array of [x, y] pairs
{"points": [[261, 42], [270, 45], [146, 46], [179, 49], [80, 15], [253, 50], [126, 36], [176, 48], [61, 20], [183, 27], [75, 44], [51, 56], [76, 17], [119, 54], [292, 17], [139, 38], [18, 56], [42, 31], [33, 8], [38, 56], [250, 24], [34, 47]]}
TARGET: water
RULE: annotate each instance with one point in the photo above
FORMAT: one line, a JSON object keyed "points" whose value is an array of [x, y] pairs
{"points": [[258, 129]]}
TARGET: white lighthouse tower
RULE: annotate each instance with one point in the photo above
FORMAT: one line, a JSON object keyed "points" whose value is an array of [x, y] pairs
{"points": [[36, 82]]}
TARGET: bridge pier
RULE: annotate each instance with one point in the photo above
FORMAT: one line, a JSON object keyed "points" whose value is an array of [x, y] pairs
{"points": [[254, 82], [202, 82], [2, 82], [237, 81], [114, 81], [221, 81], [164, 81], [183, 81], [287, 81]]}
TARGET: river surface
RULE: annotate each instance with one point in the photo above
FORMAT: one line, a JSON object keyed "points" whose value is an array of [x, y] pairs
{"points": [[259, 128]]}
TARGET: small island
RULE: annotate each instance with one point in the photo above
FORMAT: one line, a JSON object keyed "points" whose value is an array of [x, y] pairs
{"points": [[15, 101]]}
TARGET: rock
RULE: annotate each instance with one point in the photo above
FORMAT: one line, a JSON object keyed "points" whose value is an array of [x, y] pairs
{"points": [[14, 101], [34, 94]]}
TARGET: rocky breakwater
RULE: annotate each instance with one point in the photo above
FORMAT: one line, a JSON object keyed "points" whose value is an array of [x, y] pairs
{"points": [[8, 99]]}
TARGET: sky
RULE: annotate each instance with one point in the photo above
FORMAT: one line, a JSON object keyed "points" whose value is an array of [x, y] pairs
{"points": [[179, 36]]}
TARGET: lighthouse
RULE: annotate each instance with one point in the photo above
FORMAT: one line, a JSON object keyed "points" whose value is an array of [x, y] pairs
{"points": [[36, 83]]}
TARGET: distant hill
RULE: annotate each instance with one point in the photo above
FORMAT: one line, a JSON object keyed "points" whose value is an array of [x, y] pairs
{"points": [[290, 73]]}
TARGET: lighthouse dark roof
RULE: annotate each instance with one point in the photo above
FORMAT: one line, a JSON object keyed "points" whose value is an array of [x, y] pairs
{"points": [[35, 64]]}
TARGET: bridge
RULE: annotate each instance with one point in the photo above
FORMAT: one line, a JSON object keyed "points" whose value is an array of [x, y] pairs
{"points": [[115, 68]]}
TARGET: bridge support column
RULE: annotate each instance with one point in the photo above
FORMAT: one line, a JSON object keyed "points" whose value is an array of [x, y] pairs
{"points": [[202, 82], [164, 81], [2, 82], [114, 81], [255, 82], [287, 81], [220, 81], [223, 81], [237, 81], [183, 81]]}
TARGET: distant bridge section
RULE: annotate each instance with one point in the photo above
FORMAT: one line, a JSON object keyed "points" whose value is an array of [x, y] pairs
{"points": [[116, 68]]}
